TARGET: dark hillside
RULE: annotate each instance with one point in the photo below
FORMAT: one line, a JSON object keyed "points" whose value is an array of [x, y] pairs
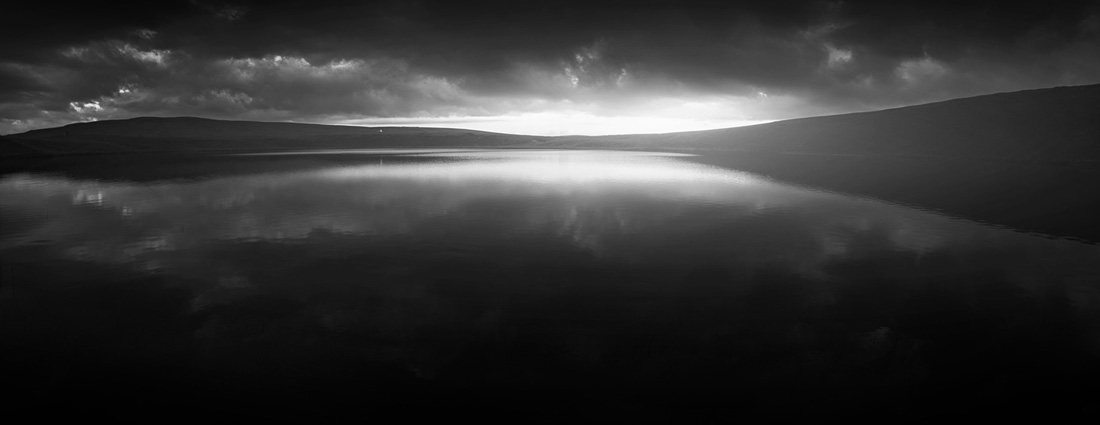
{"points": [[189, 134], [1060, 123]]}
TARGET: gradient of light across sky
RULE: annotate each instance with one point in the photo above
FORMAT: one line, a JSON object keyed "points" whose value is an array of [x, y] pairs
{"points": [[553, 68]]}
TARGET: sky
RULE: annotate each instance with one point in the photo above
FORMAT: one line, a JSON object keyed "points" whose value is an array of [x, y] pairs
{"points": [[547, 68]]}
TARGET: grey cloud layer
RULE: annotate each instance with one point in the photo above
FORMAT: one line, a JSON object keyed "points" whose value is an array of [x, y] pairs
{"points": [[314, 61]]}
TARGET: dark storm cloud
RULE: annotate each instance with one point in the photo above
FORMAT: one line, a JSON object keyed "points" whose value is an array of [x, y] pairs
{"points": [[321, 61]]}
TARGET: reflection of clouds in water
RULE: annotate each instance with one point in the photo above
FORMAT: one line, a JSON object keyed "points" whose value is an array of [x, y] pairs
{"points": [[834, 244], [413, 261], [371, 199], [911, 236], [912, 232], [625, 205], [579, 230], [83, 196]]}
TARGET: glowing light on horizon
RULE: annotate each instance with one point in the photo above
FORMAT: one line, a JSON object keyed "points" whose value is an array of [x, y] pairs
{"points": [[563, 124]]}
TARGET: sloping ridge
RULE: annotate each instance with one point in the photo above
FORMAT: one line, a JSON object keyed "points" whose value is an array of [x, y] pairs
{"points": [[1061, 123], [204, 128], [184, 134]]}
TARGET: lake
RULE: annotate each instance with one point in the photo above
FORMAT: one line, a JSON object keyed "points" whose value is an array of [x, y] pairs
{"points": [[523, 282]]}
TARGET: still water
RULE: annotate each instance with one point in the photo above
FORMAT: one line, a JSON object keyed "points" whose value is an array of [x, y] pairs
{"points": [[474, 270]]}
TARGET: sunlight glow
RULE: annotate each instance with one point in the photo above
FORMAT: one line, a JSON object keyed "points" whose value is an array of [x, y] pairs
{"points": [[564, 123]]}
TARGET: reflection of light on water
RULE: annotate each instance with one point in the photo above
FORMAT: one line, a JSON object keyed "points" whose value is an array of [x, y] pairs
{"points": [[134, 253], [549, 167], [606, 203], [412, 151], [25, 182], [549, 154], [94, 197], [465, 153]]}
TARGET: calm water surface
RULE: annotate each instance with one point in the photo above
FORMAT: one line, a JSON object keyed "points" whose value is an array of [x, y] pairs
{"points": [[537, 270]]}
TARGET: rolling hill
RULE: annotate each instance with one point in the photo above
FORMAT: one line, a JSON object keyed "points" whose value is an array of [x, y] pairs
{"points": [[190, 134]]}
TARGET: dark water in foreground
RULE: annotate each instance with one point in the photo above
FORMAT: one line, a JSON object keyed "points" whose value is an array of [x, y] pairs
{"points": [[537, 283]]}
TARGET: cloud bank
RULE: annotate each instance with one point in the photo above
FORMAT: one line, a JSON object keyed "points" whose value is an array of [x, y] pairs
{"points": [[465, 65]]}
